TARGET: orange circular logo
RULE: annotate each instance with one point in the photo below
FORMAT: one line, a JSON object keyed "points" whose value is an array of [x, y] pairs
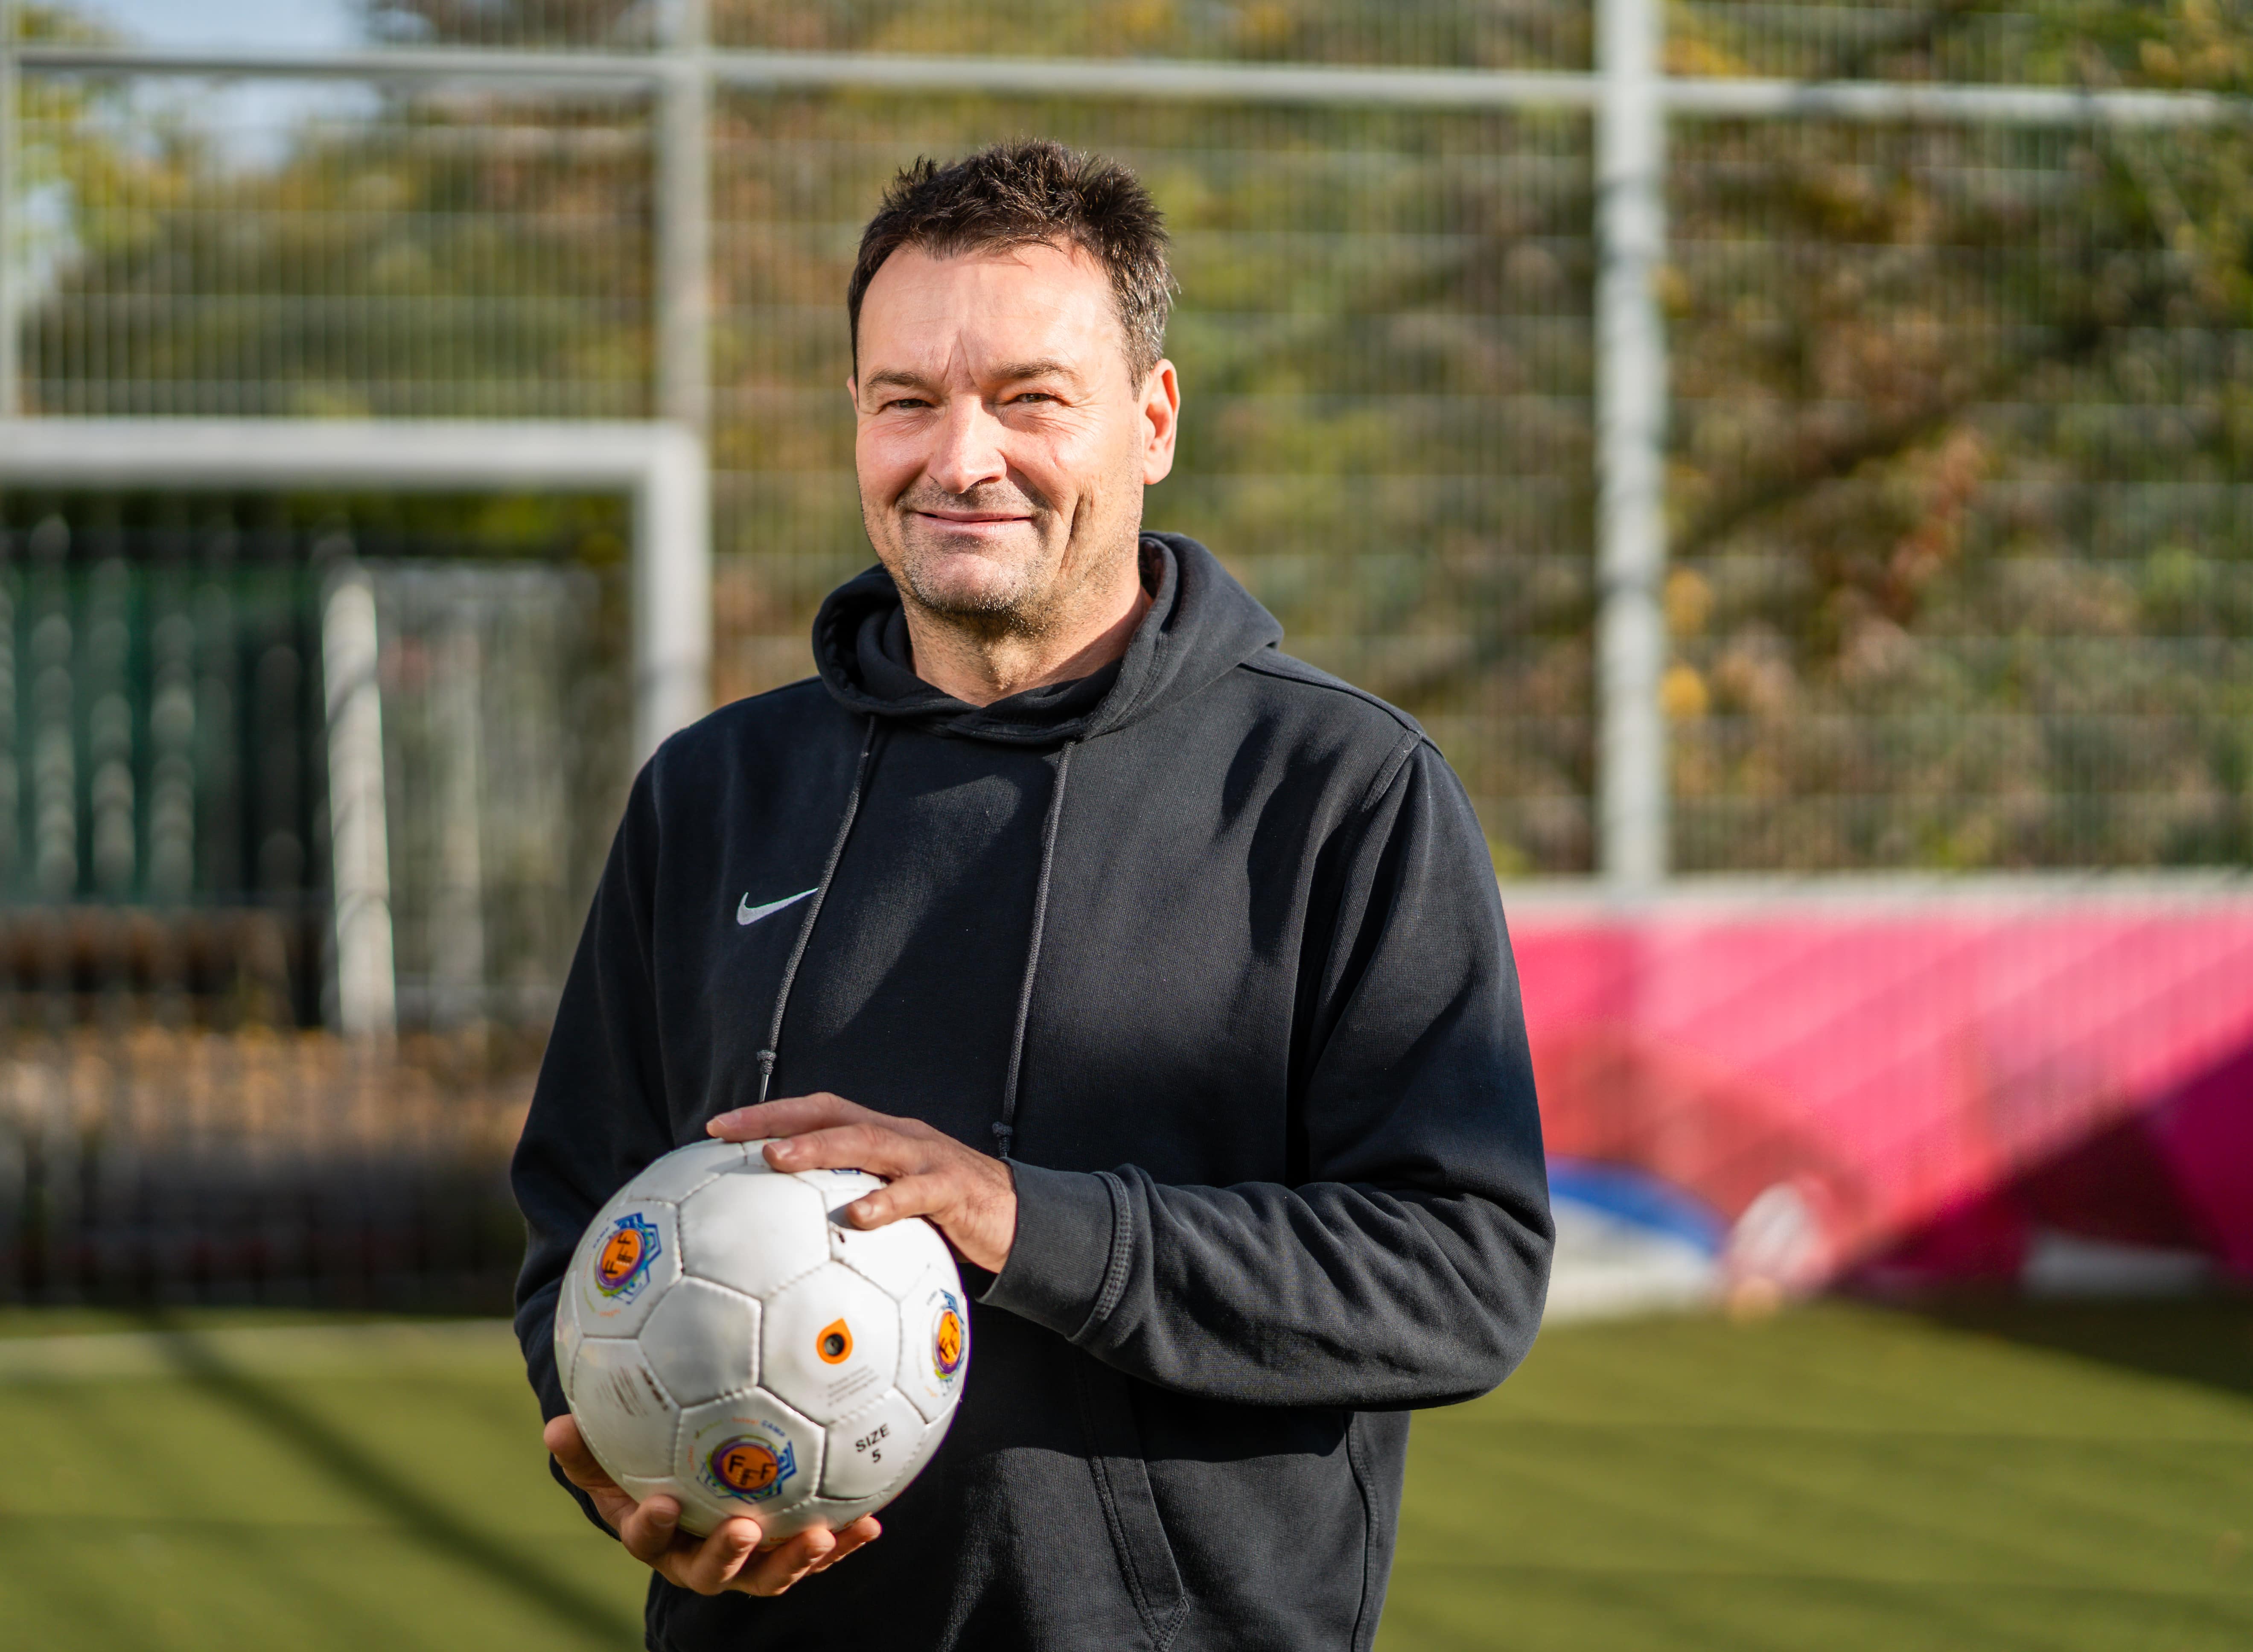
{"points": [[950, 1338], [748, 1466], [627, 1251], [834, 1344]]}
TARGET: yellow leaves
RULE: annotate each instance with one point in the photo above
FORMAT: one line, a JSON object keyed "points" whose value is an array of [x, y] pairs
{"points": [[1682, 694], [1688, 602]]}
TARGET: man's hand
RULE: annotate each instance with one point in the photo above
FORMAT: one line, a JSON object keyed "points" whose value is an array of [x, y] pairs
{"points": [[729, 1559], [969, 1196]]}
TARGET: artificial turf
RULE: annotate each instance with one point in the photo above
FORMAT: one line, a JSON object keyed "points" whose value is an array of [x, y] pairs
{"points": [[1838, 1476]]}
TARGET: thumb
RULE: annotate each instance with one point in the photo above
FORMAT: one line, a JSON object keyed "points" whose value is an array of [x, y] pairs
{"points": [[568, 1447]]}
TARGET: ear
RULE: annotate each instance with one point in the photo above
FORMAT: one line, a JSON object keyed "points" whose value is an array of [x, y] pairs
{"points": [[1161, 421], [852, 389]]}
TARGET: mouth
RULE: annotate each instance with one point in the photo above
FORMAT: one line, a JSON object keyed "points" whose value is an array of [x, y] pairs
{"points": [[972, 521]]}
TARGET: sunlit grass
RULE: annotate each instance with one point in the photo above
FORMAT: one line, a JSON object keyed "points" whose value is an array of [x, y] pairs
{"points": [[1836, 1477]]}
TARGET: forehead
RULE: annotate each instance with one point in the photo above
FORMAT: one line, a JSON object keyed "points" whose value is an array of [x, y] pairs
{"points": [[1018, 303]]}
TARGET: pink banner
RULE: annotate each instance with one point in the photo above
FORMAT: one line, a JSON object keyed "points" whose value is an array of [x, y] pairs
{"points": [[1915, 1086]]}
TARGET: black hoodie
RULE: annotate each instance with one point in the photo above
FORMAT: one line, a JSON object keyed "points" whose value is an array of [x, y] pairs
{"points": [[1209, 942]]}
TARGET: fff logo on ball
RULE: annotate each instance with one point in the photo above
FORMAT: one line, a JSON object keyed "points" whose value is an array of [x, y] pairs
{"points": [[748, 1467], [622, 1265], [948, 1342]]}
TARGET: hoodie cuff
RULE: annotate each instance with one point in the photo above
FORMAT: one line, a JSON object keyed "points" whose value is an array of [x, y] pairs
{"points": [[1069, 1231]]}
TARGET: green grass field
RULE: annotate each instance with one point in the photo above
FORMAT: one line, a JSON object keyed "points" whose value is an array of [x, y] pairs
{"points": [[1835, 1477]]}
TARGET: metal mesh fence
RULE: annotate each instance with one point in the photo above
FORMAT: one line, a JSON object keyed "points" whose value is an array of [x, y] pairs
{"points": [[1957, 527], [1511, 34], [333, 250], [1383, 341], [174, 1121], [1960, 570]]}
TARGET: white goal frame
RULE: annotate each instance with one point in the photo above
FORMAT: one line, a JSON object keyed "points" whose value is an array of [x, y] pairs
{"points": [[660, 467]]}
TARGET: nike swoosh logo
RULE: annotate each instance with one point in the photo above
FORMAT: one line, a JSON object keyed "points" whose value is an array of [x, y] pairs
{"points": [[746, 913]]}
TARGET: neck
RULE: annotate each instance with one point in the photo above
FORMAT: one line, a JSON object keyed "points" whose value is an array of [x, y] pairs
{"points": [[979, 665]]}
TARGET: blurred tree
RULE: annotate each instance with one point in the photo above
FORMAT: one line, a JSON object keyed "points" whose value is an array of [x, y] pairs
{"points": [[520, 22], [1958, 408], [1960, 576]]}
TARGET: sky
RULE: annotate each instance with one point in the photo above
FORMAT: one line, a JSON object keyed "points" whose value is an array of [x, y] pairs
{"points": [[273, 25], [256, 116]]}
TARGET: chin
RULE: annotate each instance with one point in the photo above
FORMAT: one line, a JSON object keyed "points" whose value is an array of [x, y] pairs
{"points": [[965, 582]]}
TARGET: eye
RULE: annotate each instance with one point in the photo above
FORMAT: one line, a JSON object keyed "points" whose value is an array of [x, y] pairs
{"points": [[1033, 395], [903, 401]]}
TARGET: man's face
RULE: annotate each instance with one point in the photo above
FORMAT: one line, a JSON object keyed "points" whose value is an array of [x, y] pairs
{"points": [[1003, 444]]}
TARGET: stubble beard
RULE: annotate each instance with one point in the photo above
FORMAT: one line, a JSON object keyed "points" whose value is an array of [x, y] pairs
{"points": [[1026, 602]]}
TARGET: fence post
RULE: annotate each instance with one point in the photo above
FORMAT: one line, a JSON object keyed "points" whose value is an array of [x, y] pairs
{"points": [[1631, 844], [683, 241], [10, 148]]}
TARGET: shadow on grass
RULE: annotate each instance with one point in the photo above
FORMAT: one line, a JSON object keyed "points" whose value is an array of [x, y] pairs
{"points": [[2205, 1340], [425, 1519]]}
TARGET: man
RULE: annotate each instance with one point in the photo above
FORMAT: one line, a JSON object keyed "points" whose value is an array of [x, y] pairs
{"points": [[1164, 974]]}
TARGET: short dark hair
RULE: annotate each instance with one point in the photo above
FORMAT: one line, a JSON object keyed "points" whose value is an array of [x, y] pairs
{"points": [[1020, 194]]}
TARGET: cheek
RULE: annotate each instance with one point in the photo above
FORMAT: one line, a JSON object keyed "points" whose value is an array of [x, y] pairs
{"points": [[1067, 463], [887, 460]]}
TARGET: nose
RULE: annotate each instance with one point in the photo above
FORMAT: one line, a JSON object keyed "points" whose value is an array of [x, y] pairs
{"points": [[966, 448]]}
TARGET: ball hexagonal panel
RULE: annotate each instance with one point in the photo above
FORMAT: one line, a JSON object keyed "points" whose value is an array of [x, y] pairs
{"points": [[828, 1343], [934, 1344], [685, 1169], [753, 1231], [839, 1186], [894, 1256], [703, 1341], [865, 1453], [630, 1253], [934, 1435], [748, 1455], [626, 1417]]}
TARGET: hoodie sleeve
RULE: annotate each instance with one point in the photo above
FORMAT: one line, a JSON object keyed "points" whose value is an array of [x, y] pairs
{"points": [[598, 1114], [1410, 1266]]}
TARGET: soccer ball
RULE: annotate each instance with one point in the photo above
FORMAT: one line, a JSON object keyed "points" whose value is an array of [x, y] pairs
{"points": [[723, 1338]]}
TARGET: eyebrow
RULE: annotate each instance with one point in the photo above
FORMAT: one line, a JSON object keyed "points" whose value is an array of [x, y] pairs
{"points": [[1008, 372]]}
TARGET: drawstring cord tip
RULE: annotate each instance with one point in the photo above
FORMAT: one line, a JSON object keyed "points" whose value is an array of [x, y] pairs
{"points": [[1005, 1135]]}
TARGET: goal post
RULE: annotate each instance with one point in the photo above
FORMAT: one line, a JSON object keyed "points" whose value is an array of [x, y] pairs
{"points": [[661, 467]]}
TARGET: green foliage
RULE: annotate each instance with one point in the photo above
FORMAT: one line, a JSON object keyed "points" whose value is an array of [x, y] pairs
{"points": [[1959, 438]]}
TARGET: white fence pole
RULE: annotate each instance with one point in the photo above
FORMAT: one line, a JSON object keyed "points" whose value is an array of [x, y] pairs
{"points": [[1631, 848], [673, 590], [684, 218], [359, 825], [11, 149]]}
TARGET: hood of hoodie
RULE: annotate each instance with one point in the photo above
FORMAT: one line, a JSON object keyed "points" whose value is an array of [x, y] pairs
{"points": [[1201, 625]]}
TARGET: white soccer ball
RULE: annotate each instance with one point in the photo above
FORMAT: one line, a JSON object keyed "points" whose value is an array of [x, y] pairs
{"points": [[723, 1339]]}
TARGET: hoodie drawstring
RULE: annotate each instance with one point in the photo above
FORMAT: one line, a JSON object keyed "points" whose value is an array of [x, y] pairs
{"points": [[814, 907], [1004, 1128]]}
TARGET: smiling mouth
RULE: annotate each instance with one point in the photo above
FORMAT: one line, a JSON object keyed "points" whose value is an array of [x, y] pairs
{"points": [[973, 519]]}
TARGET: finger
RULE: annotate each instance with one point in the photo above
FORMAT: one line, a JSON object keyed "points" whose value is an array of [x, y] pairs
{"points": [[910, 1195], [859, 1535], [881, 1147], [648, 1529], [714, 1564], [788, 1117], [787, 1562]]}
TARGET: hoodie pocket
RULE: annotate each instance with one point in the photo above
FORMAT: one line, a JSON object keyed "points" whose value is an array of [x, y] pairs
{"points": [[1122, 1482]]}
